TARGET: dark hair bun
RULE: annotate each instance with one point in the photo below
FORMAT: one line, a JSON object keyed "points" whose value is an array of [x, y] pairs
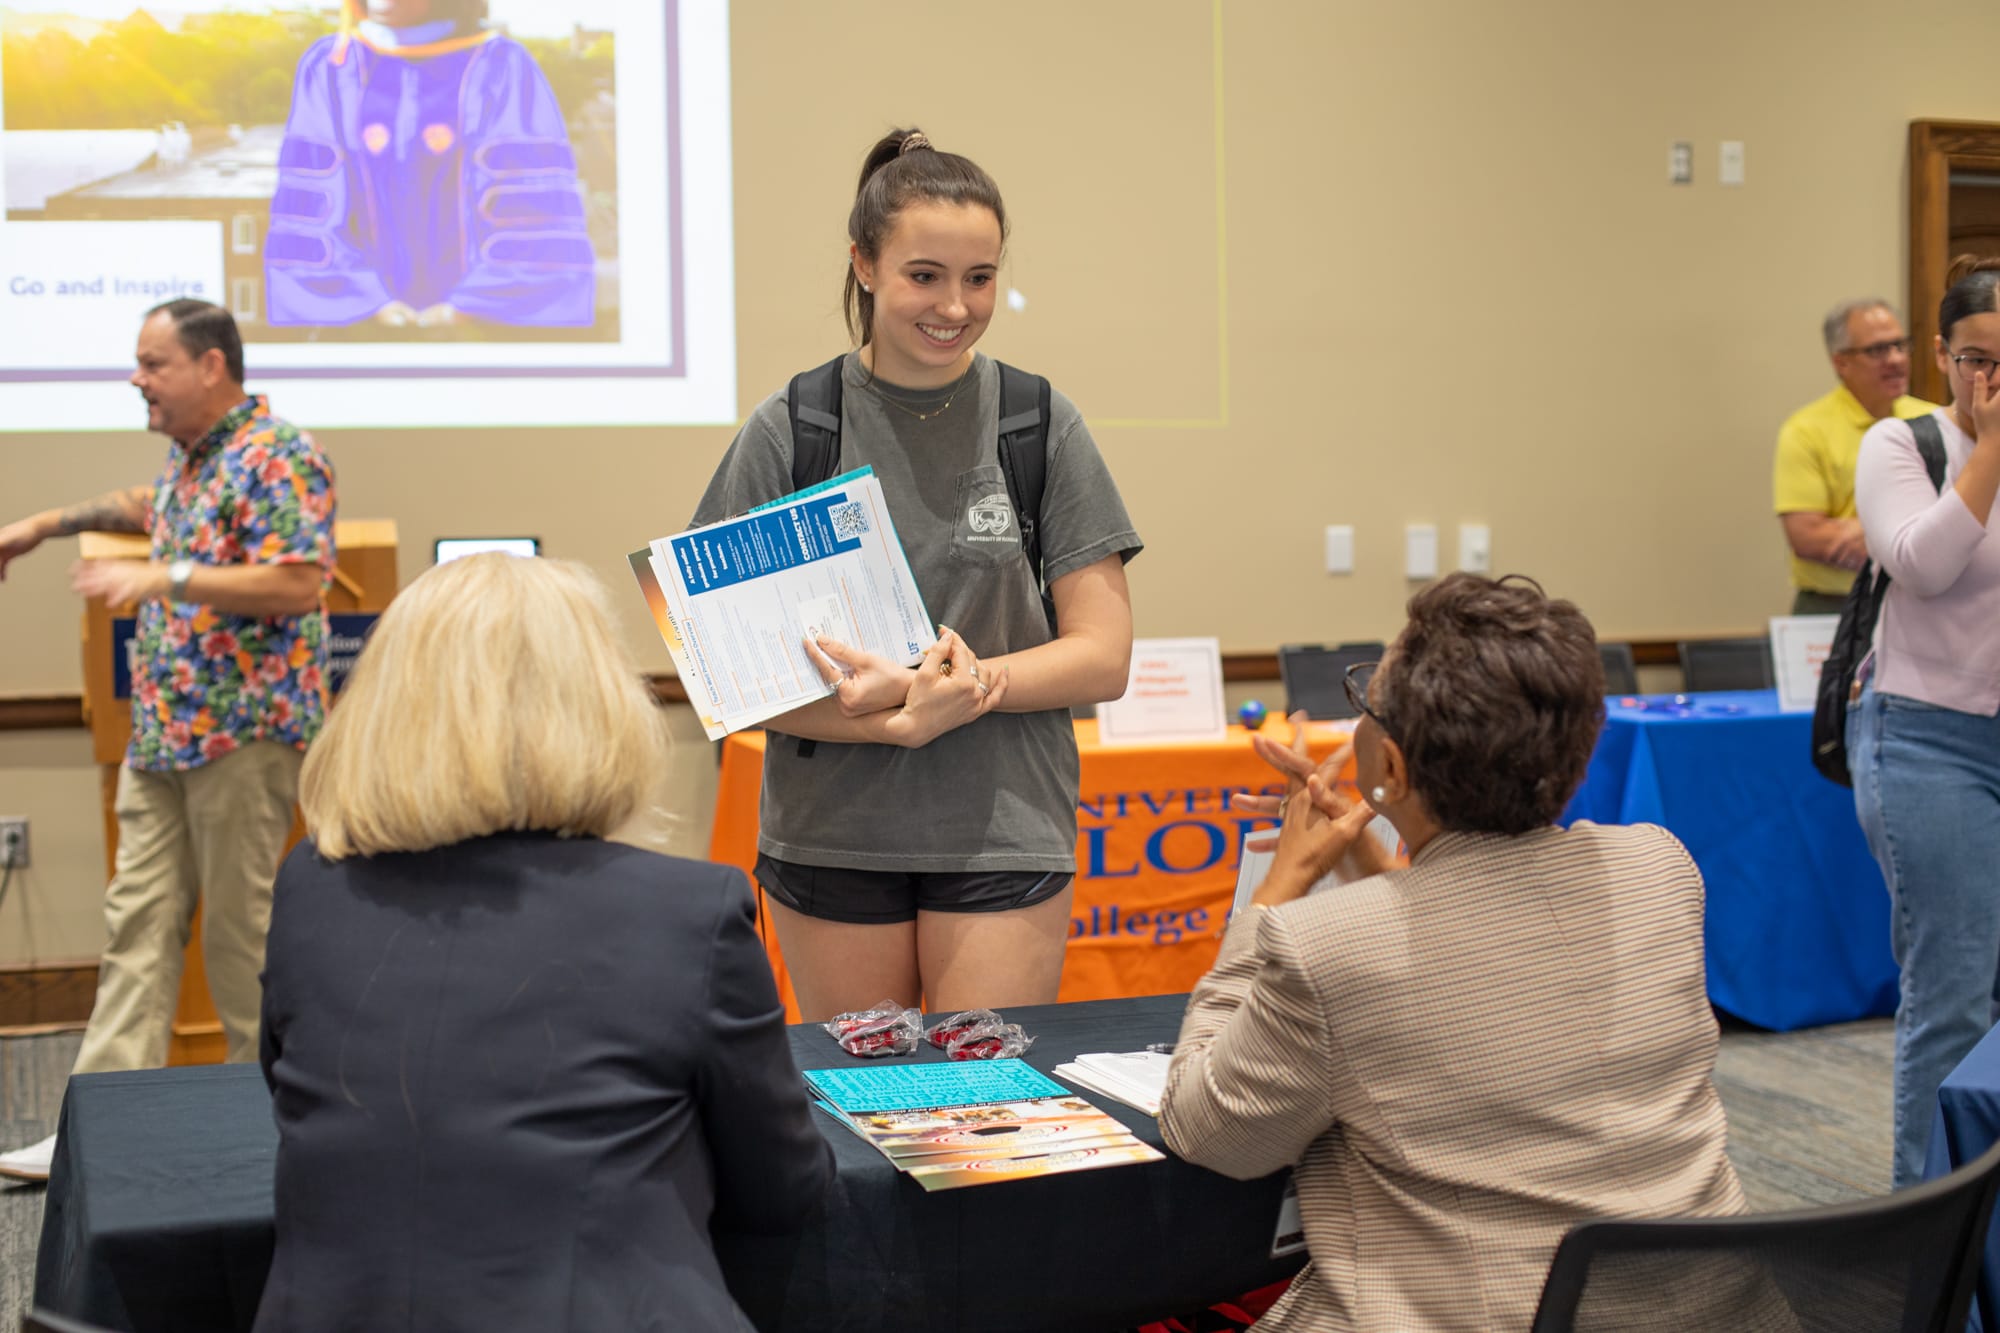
{"points": [[1965, 266]]}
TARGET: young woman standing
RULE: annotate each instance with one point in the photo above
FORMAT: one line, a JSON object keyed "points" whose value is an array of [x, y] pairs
{"points": [[918, 829], [1924, 740]]}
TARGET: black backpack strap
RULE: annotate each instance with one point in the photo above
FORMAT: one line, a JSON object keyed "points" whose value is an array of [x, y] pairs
{"points": [[1854, 635], [1930, 444], [1024, 461], [814, 402]]}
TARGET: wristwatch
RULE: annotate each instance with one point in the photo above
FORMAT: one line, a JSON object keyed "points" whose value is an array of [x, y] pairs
{"points": [[178, 574]]}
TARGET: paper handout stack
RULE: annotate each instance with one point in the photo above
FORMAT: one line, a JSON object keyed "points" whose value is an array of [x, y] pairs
{"points": [[973, 1122], [1136, 1078]]}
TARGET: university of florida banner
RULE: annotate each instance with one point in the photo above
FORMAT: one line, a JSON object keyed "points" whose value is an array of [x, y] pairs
{"points": [[1157, 851]]}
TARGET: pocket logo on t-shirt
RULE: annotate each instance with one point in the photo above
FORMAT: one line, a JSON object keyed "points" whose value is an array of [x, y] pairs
{"points": [[990, 518]]}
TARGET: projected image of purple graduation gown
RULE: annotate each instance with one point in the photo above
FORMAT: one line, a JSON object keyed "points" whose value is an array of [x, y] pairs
{"points": [[440, 175]]}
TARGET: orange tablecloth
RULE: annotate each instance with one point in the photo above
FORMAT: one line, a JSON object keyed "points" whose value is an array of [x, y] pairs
{"points": [[1157, 851]]}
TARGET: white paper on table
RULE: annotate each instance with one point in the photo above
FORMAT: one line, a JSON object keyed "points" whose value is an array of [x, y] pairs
{"points": [[1799, 645], [735, 600], [1173, 692], [1136, 1078]]}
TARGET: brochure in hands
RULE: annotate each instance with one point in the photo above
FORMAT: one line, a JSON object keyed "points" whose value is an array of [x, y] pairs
{"points": [[736, 600], [973, 1122]]}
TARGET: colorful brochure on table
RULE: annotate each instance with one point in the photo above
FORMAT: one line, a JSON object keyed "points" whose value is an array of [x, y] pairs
{"points": [[973, 1122], [736, 600]]}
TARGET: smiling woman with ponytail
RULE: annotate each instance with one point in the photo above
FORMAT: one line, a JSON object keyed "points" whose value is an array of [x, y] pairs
{"points": [[918, 827]]}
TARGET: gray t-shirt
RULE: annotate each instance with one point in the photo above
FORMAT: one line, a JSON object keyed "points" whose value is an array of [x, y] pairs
{"points": [[999, 793]]}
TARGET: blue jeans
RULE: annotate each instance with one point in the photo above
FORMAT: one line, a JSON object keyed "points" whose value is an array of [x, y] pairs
{"points": [[1927, 791]]}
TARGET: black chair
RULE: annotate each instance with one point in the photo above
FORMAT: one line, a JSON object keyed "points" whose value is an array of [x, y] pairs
{"points": [[1905, 1262], [1726, 664], [1314, 676], [1621, 673]]}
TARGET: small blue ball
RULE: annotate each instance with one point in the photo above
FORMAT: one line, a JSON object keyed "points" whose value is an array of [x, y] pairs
{"points": [[1252, 714]]}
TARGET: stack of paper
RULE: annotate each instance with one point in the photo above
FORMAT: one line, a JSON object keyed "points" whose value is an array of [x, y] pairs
{"points": [[1136, 1078], [736, 600], [973, 1122]]}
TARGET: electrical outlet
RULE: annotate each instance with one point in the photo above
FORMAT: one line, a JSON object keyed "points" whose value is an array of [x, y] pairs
{"points": [[13, 842]]}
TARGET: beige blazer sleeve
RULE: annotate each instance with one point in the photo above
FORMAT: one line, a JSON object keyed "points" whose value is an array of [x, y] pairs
{"points": [[1255, 1072]]}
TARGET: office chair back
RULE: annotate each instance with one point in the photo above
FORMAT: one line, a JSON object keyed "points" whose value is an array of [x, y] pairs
{"points": [[1905, 1262], [1726, 664], [1315, 676], [1621, 673]]}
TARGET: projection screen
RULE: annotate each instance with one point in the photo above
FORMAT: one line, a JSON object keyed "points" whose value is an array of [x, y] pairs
{"points": [[421, 212]]}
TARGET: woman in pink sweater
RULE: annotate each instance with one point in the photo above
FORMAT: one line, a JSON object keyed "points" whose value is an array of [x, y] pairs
{"points": [[1923, 738]]}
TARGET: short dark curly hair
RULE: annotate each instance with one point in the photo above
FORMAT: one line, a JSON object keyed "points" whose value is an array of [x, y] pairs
{"points": [[1495, 693]]}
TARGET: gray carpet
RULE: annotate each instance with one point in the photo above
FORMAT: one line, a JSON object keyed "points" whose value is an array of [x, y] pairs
{"points": [[1808, 1124], [32, 1073]]}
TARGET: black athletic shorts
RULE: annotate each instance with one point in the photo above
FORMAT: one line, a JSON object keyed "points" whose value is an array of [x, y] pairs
{"points": [[885, 897]]}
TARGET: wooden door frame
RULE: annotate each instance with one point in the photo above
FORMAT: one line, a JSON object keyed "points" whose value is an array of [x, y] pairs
{"points": [[1937, 148]]}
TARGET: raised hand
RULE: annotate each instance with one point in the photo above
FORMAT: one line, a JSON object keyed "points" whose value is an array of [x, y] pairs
{"points": [[118, 582], [16, 540]]}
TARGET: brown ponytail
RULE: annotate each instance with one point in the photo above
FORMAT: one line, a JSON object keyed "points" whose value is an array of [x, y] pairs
{"points": [[903, 168]]}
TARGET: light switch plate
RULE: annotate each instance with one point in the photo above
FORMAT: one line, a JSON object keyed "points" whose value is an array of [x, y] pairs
{"points": [[1339, 548], [1420, 551]]}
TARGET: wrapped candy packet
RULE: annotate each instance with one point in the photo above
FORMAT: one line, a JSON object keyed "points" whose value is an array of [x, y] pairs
{"points": [[886, 1029], [941, 1033], [978, 1034]]}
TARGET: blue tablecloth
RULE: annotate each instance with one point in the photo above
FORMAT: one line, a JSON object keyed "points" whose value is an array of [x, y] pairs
{"points": [[1798, 918], [1968, 1122]]}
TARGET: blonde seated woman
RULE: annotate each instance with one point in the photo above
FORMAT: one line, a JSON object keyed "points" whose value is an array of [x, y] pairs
{"points": [[518, 1070]]}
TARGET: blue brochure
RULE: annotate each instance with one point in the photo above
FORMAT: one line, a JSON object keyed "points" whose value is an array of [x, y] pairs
{"points": [[918, 1087]]}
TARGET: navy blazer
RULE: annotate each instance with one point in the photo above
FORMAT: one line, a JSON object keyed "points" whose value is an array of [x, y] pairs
{"points": [[516, 1080]]}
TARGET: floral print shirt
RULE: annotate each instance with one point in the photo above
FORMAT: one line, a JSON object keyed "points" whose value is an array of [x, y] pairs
{"points": [[254, 490]]}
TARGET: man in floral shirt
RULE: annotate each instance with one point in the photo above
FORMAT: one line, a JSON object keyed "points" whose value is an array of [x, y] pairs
{"points": [[228, 686]]}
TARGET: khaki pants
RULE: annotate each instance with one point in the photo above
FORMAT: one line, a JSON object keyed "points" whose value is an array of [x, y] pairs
{"points": [[213, 834]]}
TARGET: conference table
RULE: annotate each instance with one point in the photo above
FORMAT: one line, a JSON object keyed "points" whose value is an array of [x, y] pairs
{"points": [[159, 1214], [1798, 919], [1157, 851], [1966, 1124]]}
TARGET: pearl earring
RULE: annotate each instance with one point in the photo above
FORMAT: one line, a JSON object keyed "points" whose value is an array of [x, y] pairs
{"points": [[1378, 795], [866, 288]]}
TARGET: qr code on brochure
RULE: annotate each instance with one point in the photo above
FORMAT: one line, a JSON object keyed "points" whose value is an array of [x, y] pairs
{"points": [[849, 520]]}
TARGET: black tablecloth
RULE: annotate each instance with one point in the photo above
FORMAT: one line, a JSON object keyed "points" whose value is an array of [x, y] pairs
{"points": [[159, 1214]]}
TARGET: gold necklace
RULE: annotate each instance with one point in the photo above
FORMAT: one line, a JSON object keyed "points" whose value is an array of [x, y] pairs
{"points": [[937, 411]]}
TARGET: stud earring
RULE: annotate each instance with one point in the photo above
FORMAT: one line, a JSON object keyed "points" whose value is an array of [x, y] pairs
{"points": [[866, 288], [1378, 795]]}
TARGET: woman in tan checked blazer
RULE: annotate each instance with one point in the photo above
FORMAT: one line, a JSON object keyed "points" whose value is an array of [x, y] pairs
{"points": [[1463, 1057]]}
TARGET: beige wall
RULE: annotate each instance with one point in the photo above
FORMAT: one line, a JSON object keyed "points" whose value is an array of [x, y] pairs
{"points": [[1432, 272]]}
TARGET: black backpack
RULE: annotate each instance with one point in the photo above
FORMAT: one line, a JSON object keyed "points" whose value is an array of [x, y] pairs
{"points": [[814, 400], [1855, 634]]}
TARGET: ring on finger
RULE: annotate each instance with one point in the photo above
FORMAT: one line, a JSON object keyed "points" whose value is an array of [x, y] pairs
{"points": [[944, 667]]}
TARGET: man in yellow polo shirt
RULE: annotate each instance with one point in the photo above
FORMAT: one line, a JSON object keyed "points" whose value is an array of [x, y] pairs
{"points": [[1813, 480]]}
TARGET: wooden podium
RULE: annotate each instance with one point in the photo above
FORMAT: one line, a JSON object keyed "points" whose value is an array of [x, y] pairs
{"points": [[364, 582]]}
